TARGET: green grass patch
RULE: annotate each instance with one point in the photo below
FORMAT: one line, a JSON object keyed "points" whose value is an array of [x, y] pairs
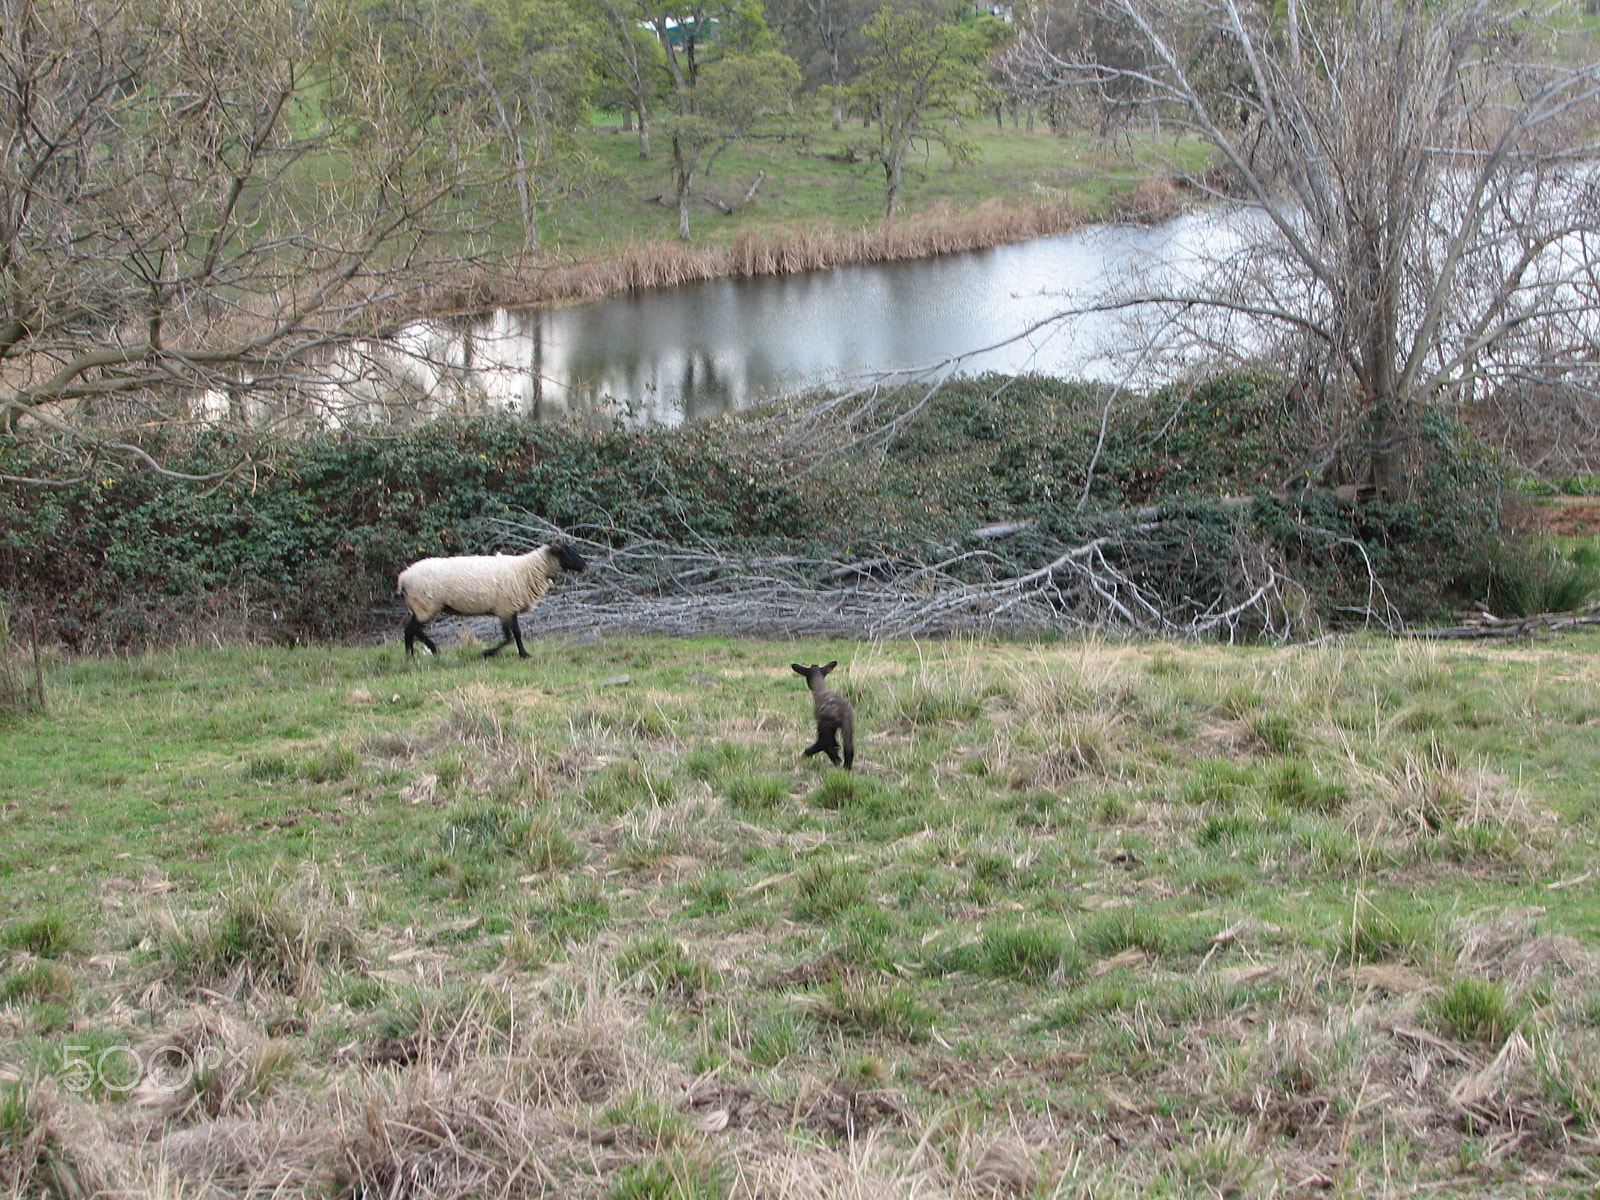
{"points": [[678, 945]]}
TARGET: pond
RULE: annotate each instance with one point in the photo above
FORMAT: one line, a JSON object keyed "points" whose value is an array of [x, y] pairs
{"points": [[679, 354]]}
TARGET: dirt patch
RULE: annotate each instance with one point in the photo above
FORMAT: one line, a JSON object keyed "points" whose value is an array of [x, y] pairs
{"points": [[848, 1112], [1577, 516]]}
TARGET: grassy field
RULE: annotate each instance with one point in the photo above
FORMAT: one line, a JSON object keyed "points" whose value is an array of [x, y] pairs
{"points": [[1089, 919], [806, 188]]}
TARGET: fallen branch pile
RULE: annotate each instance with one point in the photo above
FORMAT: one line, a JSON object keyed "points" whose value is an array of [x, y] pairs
{"points": [[637, 584]]}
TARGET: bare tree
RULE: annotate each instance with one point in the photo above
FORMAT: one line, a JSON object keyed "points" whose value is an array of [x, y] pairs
{"points": [[1423, 176], [201, 204]]}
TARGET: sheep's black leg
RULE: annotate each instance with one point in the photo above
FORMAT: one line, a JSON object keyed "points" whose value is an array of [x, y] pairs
{"points": [[516, 632], [506, 630], [414, 634], [815, 748]]}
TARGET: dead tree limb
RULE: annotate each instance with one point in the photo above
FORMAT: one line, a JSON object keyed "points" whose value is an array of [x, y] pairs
{"points": [[1489, 626]]}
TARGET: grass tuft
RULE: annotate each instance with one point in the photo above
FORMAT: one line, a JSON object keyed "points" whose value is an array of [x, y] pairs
{"points": [[38, 983], [826, 888], [1123, 929], [757, 793], [47, 936], [261, 939], [865, 1007], [1474, 1010], [1377, 934], [1296, 785], [1027, 952], [680, 1175], [664, 966]]}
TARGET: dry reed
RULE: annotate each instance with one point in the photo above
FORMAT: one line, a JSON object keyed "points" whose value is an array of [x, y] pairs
{"points": [[643, 265]]}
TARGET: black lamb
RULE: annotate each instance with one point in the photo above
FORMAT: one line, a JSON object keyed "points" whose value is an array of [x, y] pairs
{"points": [[835, 717]]}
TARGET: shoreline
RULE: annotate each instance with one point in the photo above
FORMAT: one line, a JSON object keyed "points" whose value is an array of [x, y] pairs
{"points": [[644, 266]]}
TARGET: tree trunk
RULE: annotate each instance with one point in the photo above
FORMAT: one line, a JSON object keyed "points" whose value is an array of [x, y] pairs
{"points": [[1386, 450], [684, 177], [891, 190], [530, 217], [644, 135], [627, 118], [837, 104]]}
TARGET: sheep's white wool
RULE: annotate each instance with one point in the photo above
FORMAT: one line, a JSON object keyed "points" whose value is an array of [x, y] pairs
{"points": [[478, 585]]}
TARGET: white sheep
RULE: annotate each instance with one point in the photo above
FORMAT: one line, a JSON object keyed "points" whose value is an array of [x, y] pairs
{"points": [[481, 585]]}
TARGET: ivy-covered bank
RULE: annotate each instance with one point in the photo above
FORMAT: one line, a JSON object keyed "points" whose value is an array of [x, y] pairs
{"points": [[309, 545]]}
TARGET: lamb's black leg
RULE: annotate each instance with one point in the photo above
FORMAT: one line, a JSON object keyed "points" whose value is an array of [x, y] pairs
{"points": [[506, 630], [516, 632], [415, 634], [827, 743]]}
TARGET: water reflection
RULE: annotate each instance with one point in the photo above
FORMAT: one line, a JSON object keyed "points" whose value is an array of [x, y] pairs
{"points": [[683, 353]]}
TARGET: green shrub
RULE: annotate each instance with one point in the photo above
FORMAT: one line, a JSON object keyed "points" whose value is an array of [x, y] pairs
{"points": [[1524, 578], [310, 544]]}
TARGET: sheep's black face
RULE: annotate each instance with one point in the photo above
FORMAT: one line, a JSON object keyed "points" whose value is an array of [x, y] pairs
{"points": [[569, 558]]}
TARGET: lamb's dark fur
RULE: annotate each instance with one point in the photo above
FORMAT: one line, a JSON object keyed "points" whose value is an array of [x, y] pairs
{"points": [[835, 717]]}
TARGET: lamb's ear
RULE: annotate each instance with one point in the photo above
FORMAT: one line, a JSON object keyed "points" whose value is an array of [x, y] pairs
{"points": [[830, 666], [799, 670]]}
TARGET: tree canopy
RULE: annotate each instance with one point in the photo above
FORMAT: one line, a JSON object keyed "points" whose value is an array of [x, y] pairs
{"points": [[918, 73]]}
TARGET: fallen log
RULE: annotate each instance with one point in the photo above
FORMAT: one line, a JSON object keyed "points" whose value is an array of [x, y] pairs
{"points": [[1490, 626], [727, 208]]}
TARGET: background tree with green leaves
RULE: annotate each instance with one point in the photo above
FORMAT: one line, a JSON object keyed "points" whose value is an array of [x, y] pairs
{"points": [[522, 71], [919, 74], [825, 38], [730, 82], [632, 64]]}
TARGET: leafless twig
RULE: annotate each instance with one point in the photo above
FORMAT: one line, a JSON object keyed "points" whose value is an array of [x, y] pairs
{"points": [[641, 584]]}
